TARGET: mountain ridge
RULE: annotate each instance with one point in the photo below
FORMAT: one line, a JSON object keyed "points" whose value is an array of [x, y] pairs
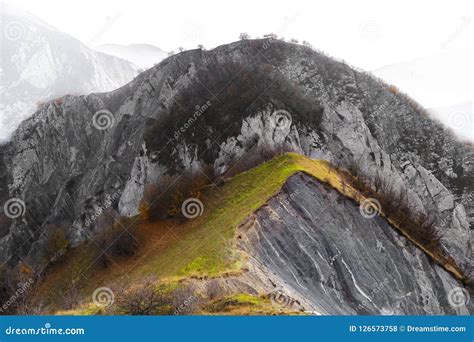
{"points": [[232, 106]]}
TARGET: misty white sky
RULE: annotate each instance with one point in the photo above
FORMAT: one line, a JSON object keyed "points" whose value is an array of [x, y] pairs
{"points": [[367, 34]]}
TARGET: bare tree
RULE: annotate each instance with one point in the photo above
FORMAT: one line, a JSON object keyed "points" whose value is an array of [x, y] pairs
{"points": [[118, 240], [72, 296], [270, 35], [244, 36], [27, 306], [147, 297]]}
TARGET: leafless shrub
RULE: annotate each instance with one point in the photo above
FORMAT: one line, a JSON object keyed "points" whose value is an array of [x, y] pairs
{"points": [[56, 244], [147, 297], [72, 297], [270, 35], [379, 183], [163, 200], [8, 284], [394, 205], [29, 306], [118, 240], [387, 194], [144, 210], [107, 219], [152, 205], [255, 156], [186, 301], [393, 89], [17, 286], [426, 232], [354, 168], [468, 271]]}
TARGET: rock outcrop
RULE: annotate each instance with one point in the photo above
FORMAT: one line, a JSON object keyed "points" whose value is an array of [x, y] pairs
{"points": [[316, 249], [215, 108]]}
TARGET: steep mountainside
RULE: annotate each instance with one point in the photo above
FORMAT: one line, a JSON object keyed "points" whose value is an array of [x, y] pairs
{"points": [[220, 109], [333, 260], [39, 63]]}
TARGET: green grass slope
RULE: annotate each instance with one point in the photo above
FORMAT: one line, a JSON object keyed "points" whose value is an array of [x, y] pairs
{"points": [[200, 247]]}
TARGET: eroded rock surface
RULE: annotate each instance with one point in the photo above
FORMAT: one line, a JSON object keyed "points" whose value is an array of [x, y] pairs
{"points": [[317, 249]]}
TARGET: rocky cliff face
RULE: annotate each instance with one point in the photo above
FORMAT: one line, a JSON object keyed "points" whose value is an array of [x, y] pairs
{"points": [[317, 251], [218, 108]]}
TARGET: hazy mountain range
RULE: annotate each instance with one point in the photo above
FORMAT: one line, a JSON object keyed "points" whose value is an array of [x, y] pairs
{"points": [[39, 63], [441, 82], [144, 56]]}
